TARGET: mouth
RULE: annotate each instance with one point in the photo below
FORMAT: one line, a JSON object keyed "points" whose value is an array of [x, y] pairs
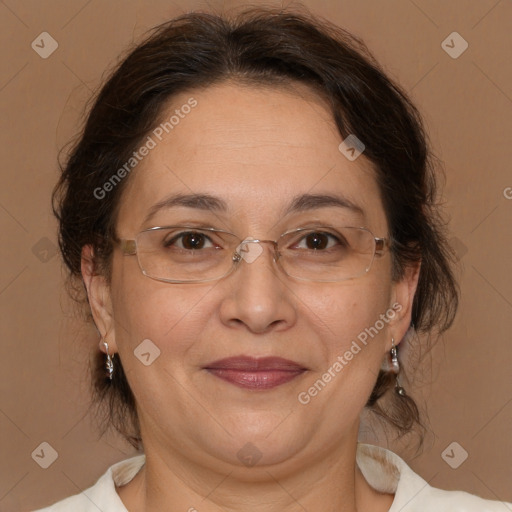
{"points": [[255, 373]]}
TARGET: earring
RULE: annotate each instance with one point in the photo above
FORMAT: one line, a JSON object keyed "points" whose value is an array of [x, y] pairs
{"points": [[110, 363], [395, 368]]}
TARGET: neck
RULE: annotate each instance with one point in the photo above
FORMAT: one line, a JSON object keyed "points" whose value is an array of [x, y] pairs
{"points": [[332, 482]]}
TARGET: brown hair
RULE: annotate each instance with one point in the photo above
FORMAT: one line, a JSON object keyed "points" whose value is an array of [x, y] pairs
{"points": [[261, 46]]}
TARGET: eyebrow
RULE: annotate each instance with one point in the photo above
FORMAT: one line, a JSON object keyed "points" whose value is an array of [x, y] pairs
{"points": [[300, 203], [307, 202]]}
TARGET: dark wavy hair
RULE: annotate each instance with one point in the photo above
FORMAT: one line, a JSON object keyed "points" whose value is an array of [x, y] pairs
{"points": [[260, 47]]}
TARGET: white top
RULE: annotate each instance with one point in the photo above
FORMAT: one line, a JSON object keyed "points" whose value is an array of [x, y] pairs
{"points": [[383, 470]]}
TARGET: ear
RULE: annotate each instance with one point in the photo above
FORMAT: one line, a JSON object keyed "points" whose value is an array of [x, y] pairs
{"points": [[402, 296], [100, 302]]}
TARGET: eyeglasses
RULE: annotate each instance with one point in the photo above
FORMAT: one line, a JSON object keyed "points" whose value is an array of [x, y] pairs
{"points": [[187, 254]]}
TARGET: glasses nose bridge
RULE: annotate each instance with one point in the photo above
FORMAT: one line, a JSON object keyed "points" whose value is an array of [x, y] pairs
{"points": [[240, 250]]}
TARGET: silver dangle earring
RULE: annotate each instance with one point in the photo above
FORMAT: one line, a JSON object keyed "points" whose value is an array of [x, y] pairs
{"points": [[110, 363], [395, 368]]}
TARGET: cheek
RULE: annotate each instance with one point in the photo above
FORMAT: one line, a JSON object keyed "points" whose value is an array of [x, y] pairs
{"points": [[353, 337], [348, 309], [338, 389], [167, 314]]}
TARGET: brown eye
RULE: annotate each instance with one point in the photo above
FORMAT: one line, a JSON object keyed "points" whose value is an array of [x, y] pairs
{"points": [[316, 241], [188, 241], [319, 241], [193, 241]]}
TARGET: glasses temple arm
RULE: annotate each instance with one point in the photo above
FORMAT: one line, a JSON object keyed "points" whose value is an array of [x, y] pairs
{"points": [[128, 247]]}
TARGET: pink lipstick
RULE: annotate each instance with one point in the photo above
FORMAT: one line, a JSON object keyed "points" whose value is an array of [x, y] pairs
{"points": [[255, 373]]}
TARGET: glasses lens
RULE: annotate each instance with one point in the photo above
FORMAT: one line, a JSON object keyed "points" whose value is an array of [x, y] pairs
{"points": [[188, 254], [327, 254], [185, 254]]}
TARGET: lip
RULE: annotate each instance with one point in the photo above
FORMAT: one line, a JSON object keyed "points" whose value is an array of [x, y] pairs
{"points": [[255, 373]]}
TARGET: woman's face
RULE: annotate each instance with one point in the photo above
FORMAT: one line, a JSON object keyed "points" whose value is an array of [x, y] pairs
{"points": [[256, 150]]}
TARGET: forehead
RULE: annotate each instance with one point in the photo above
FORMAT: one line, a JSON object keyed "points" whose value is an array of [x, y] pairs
{"points": [[257, 148]]}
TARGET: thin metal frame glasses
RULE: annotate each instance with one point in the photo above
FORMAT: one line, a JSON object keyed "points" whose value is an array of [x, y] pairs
{"points": [[191, 254]]}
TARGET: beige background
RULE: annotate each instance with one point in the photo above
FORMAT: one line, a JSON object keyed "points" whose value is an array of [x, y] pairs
{"points": [[467, 103]]}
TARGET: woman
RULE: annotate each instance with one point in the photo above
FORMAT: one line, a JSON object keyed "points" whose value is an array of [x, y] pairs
{"points": [[251, 209]]}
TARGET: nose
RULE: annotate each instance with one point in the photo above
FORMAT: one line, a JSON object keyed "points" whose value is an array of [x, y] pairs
{"points": [[250, 249], [259, 298]]}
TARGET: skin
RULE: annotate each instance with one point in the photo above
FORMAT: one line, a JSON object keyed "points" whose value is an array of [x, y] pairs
{"points": [[256, 148]]}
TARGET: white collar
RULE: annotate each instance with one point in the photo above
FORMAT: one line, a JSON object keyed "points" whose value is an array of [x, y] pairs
{"points": [[383, 470]]}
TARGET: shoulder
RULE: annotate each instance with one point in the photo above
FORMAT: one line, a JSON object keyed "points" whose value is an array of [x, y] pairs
{"points": [[102, 495], [386, 472]]}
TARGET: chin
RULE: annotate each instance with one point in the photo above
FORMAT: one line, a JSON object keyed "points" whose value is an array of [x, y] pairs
{"points": [[262, 443]]}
